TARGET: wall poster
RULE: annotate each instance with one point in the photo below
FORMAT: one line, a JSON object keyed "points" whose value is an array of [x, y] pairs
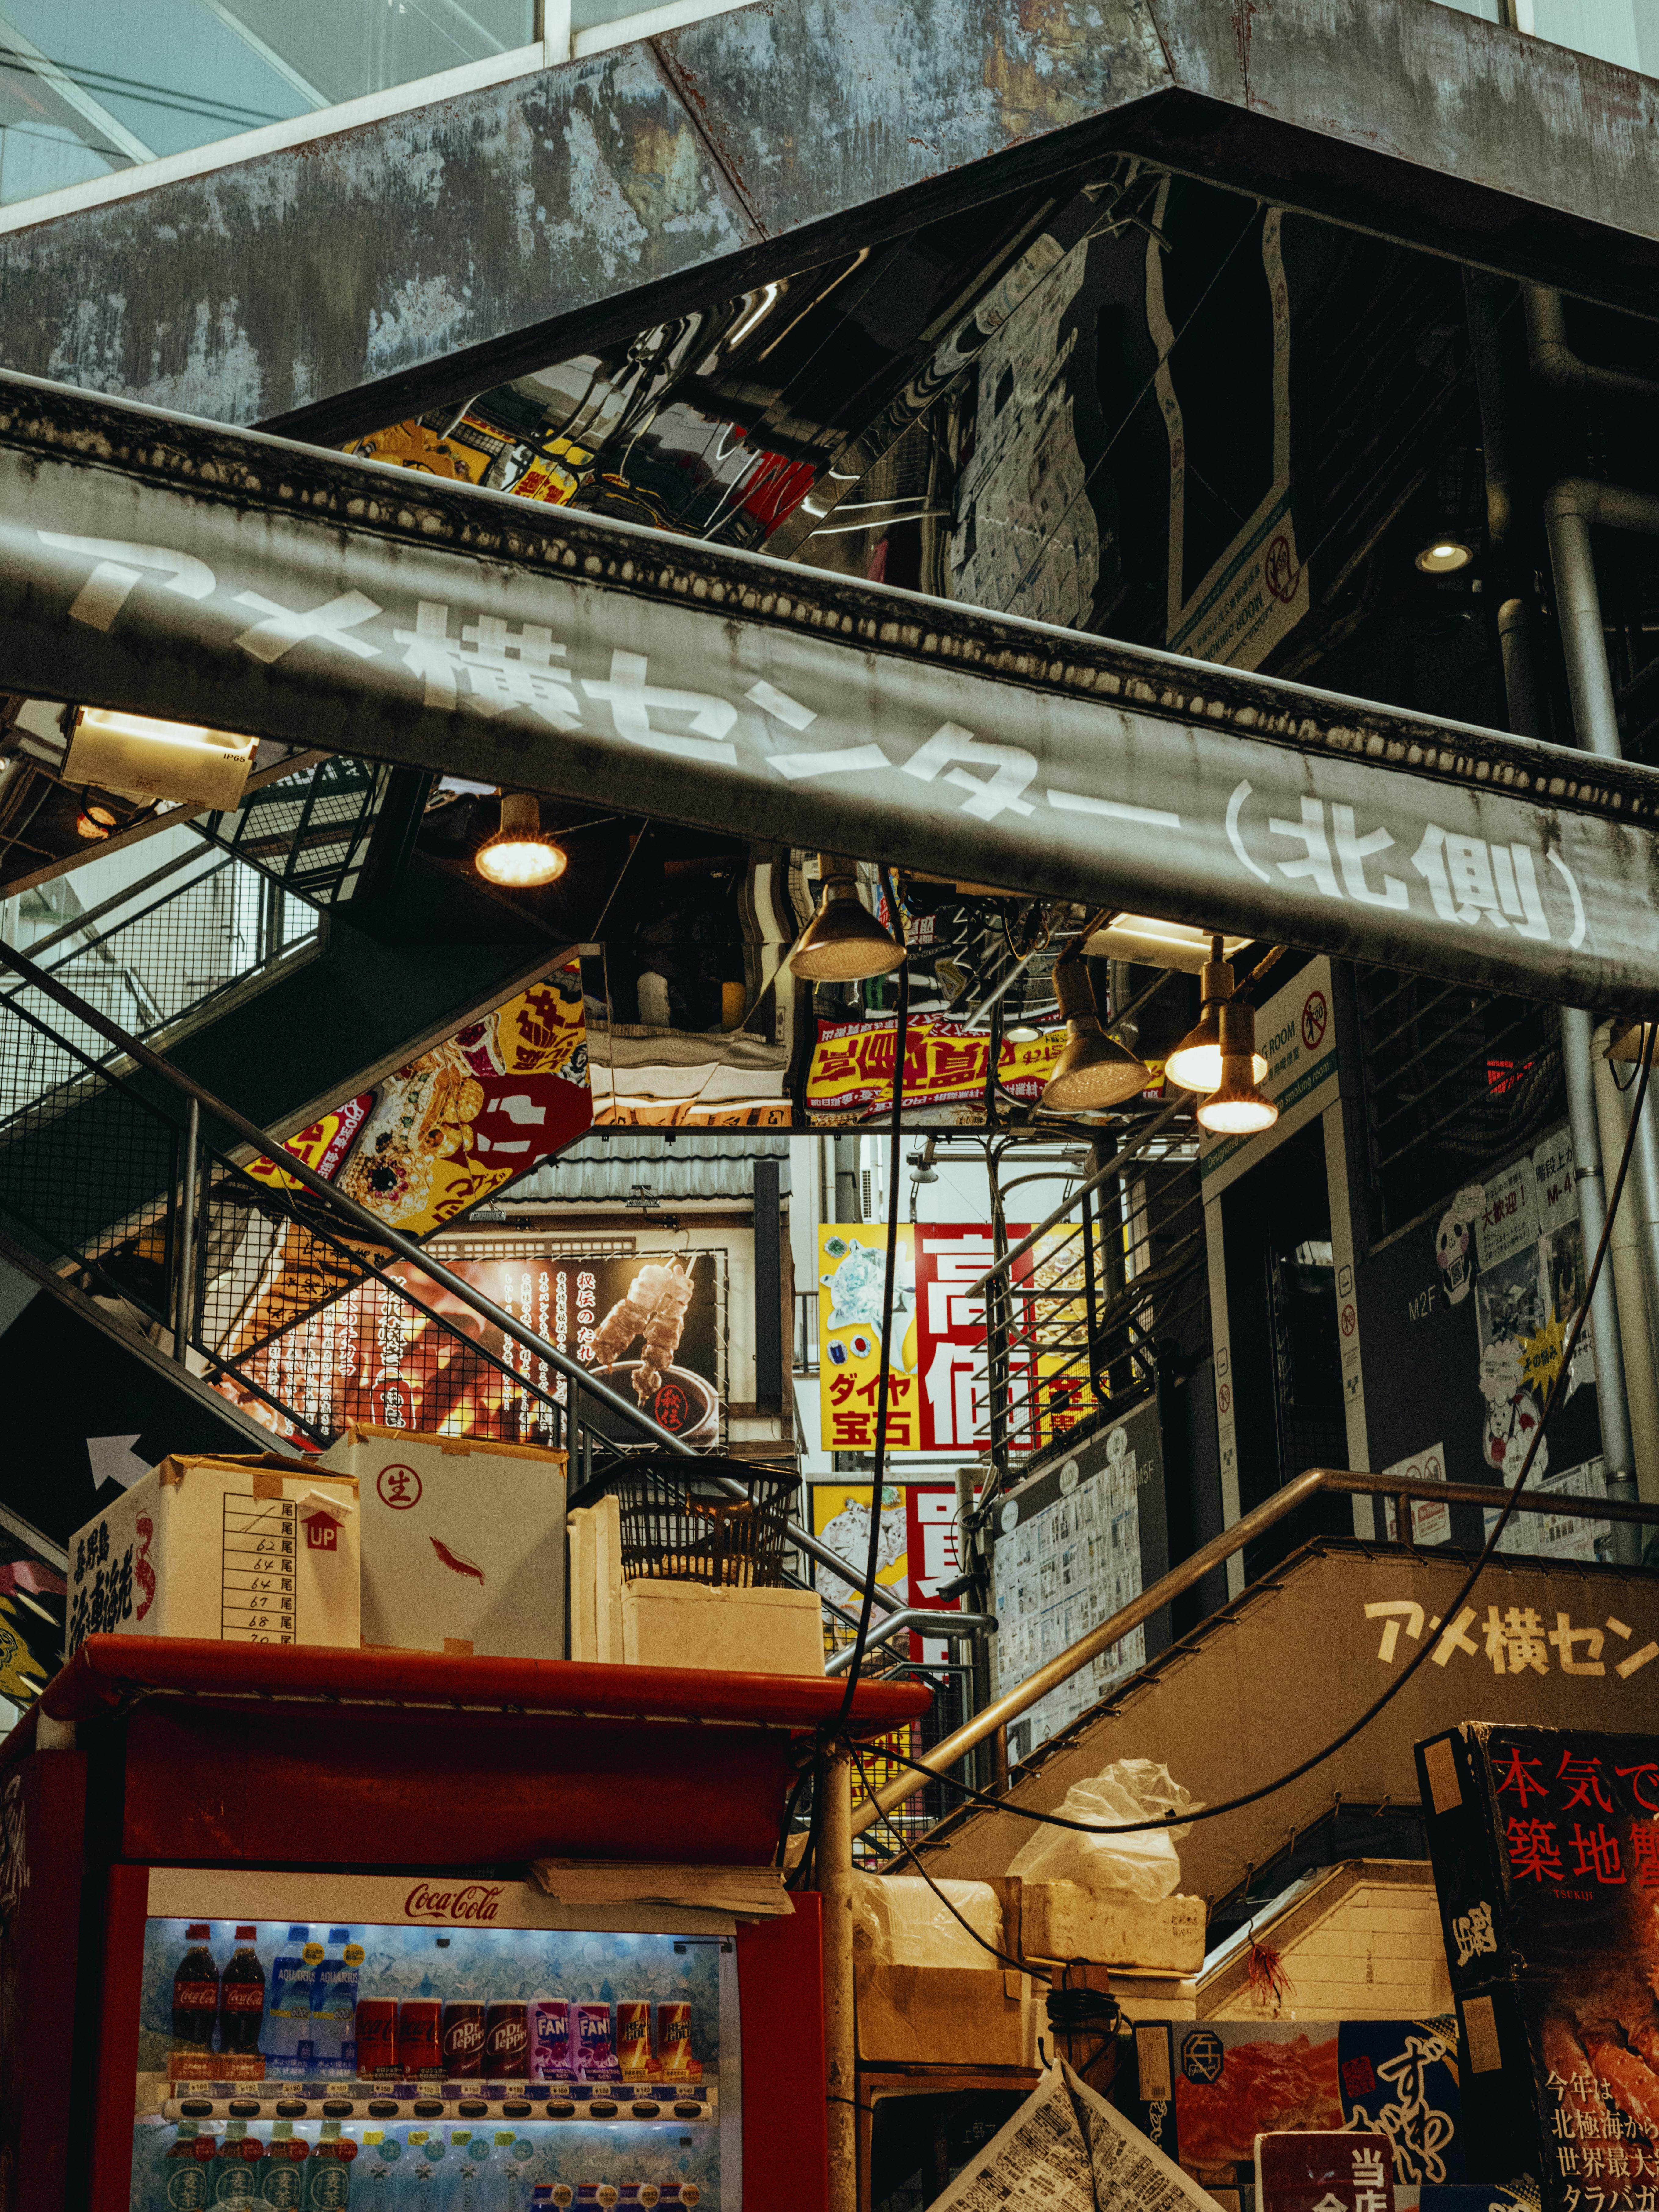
{"points": [[1065, 1556]]}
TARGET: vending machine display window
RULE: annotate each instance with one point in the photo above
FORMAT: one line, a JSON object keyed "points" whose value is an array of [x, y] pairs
{"points": [[438, 2044]]}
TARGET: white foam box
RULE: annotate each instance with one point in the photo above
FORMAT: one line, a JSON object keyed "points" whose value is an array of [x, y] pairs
{"points": [[1063, 1920], [464, 1542], [742, 1631], [256, 1550]]}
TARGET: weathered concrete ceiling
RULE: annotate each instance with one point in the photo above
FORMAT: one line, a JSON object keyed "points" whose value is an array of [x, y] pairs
{"points": [[345, 283]]}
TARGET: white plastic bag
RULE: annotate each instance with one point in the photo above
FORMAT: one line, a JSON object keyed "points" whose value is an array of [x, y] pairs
{"points": [[899, 1922], [1148, 1865]]}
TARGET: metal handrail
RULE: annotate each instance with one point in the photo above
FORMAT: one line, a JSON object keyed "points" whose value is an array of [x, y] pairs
{"points": [[383, 1233], [1316, 1482], [1137, 1144], [937, 1623]]}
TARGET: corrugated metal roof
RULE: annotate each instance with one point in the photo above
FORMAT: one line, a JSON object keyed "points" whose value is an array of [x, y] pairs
{"points": [[634, 1167]]}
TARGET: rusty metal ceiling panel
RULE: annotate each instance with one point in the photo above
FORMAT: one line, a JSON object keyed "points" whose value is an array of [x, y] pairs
{"points": [[183, 570], [354, 280]]}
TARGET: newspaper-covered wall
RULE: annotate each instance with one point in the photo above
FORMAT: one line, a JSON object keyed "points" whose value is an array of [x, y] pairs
{"points": [[1068, 2150]]}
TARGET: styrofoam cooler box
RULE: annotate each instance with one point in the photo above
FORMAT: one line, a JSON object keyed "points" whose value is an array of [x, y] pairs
{"points": [[462, 1542], [256, 1550]]}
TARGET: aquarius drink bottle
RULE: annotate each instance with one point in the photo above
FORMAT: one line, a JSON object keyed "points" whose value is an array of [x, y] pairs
{"points": [[287, 2016], [334, 2006]]}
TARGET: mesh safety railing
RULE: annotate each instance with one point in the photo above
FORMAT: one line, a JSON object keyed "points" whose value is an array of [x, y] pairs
{"points": [[293, 1316], [148, 959]]}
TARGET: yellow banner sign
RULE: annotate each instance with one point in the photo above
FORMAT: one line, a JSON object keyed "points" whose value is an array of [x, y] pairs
{"points": [[944, 1065]]}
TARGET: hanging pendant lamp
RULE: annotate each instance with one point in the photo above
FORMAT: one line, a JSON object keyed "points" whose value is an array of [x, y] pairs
{"points": [[1093, 1070], [843, 943]]}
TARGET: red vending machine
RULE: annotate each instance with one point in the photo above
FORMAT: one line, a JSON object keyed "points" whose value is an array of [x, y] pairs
{"points": [[317, 1967]]}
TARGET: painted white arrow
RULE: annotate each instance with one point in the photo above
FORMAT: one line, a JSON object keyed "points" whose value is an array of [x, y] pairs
{"points": [[113, 1459]]}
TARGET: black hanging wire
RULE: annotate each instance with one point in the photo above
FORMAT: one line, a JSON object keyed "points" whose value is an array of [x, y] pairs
{"points": [[1453, 1613], [908, 1850]]}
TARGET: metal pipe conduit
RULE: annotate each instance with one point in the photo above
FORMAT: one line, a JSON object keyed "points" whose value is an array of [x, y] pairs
{"points": [[1316, 1482], [266, 1146], [1553, 361], [1570, 507], [915, 1616]]}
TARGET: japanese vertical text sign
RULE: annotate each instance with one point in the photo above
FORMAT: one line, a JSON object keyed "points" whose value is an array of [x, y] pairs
{"points": [[1546, 1852], [936, 1394], [1316, 2170]]}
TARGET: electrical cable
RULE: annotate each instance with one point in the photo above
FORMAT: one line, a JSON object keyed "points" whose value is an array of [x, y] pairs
{"points": [[900, 1038], [1452, 1617], [908, 1850]]}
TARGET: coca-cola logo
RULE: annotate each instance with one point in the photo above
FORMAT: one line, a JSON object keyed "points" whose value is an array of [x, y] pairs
{"points": [[473, 1900]]}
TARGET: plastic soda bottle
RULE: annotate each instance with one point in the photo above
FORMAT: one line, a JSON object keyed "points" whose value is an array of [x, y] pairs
{"points": [[376, 2177], [508, 2184], [422, 2176], [185, 2186], [242, 1996], [235, 2171], [465, 2172], [283, 2170], [334, 2006], [195, 1992], [328, 2172], [287, 2016]]}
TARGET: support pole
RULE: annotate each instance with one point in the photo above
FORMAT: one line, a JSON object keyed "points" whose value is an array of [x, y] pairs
{"points": [[1570, 508], [835, 1885]]}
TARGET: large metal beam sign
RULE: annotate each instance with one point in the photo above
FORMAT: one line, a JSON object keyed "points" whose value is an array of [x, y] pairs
{"points": [[179, 569]]}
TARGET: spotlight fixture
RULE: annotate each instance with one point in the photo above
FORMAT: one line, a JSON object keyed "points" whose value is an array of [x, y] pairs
{"points": [[1237, 1107], [1195, 1063], [843, 943], [136, 757], [1093, 1070], [1443, 557], [521, 855], [94, 822]]}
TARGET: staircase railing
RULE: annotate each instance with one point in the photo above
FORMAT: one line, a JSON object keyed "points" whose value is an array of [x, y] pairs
{"points": [[995, 1717], [120, 1181], [168, 958]]}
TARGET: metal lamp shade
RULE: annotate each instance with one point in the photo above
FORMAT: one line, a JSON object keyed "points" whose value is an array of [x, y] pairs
{"points": [[843, 942], [1092, 1071]]}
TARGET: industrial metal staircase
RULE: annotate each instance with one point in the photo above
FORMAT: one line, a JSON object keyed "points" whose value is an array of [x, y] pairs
{"points": [[1266, 1682]]}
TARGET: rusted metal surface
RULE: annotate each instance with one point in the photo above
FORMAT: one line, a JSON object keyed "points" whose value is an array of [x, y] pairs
{"points": [[344, 284], [188, 571]]}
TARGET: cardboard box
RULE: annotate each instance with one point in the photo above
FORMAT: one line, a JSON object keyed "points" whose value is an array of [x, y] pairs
{"points": [[1063, 1920], [1208, 2088], [744, 1631], [256, 1550], [462, 1542], [945, 2016]]}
